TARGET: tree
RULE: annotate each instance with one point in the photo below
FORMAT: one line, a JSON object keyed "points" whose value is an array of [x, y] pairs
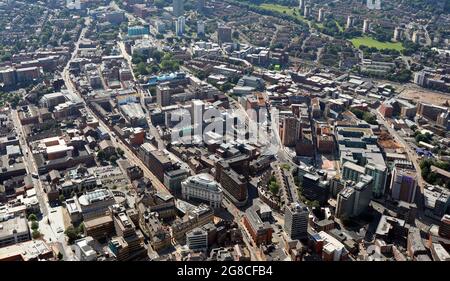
{"points": [[60, 256], [36, 234], [120, 152], [80, 228], [32, 217], [101, 155], [61, 198], [34, 225], [113, 159], [71, 233], [141, 68]]}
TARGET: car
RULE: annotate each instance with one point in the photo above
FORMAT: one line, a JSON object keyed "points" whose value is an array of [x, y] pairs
{"points": [[59, 230], [35, 175]]}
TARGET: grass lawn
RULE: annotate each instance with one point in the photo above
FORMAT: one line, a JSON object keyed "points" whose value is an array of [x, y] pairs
{"points": [[341, 29], [280, 8], [370, 42]]}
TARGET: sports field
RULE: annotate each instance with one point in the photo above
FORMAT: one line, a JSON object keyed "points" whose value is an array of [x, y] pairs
{"points": [[370, 42]]}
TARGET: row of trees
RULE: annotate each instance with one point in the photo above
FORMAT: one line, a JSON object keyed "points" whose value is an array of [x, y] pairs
{"points": [[74, 233], [34, 226], [429, 176], [364, 115]]}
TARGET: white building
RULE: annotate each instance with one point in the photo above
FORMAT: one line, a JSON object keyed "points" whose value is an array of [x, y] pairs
{"points": [[179, 26], [200, 27], [204, 188], [83, 249], [197, 239]]}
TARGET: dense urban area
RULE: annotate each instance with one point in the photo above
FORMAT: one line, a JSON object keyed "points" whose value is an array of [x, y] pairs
{"points": [[225, 130]]}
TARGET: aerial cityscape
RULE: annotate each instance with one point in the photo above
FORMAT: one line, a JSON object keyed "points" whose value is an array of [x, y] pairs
{"points": [[224, 130]]}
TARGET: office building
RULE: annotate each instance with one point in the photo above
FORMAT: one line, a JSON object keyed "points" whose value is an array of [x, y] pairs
{"points": [[96, 203], [321, 15], [174, 178], [129, 242], [307, 11], [259, 230], [354, 198], [84, 249], [197, 239], [349, 22], [398, 34], [138, 30], [35, 250], [331, 248], [290, 131], [180, 24], [296, 216], [156, 160], [14, 230], [415, 244], [204, 188], [224, 34], [430, 111], [360, 154], [365, 26], [444, 226], [193, 218], [200, 27], [403, 184]]}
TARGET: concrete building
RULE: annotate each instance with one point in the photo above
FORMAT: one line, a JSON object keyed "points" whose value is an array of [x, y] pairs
{"points": [[307, 11], [156, 160], [49, 101], [290, 131], [444, 226], [349, 23], [204, 188], [84, 249], [321, 15], [398, 34], [403, 184], [180, 24], [200, 27], [96, 203], [174, 178], [354, 198], [296, 216], [331, 248], [360, 154], [163, 95], [224, 34], [197, 239], [430, 111], [14, 230], [35, 250], [129, 242], [365, 26], [260, 231]]}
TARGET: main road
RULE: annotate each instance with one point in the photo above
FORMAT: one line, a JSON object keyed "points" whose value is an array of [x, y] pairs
{"points": [[130, 155]]}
